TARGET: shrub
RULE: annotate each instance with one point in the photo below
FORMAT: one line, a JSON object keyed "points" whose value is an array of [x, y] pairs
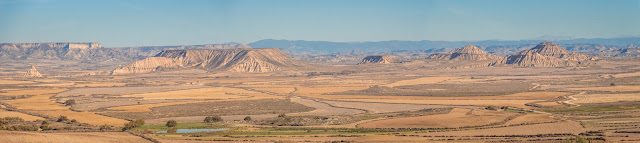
{"points": [[491, 107], [44, 125], [133, 124], [282, 115], [248, 118], [23, 127], [210, 119], [63, 118], [74, 121], [172, 123], [612, 84], [70, 102], [106, 127], [7, 120], [172, 130]]}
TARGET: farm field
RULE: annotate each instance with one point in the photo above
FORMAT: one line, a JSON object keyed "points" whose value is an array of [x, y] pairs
{"points": [[417, 105]]}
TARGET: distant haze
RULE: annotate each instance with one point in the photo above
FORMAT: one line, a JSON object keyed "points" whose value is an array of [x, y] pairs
{"points": [[121, 23]]}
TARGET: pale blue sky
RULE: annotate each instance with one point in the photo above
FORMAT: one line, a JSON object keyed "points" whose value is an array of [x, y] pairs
{"points": [[117, 23]]}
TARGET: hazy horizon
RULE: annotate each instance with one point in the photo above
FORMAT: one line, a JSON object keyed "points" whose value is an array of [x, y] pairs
{"points": [[158, 23]]}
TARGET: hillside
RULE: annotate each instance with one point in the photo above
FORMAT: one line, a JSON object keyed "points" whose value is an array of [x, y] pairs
{"points": [[547, 54], [378, 59], [468, 52], [237, 60], [88, 52]]}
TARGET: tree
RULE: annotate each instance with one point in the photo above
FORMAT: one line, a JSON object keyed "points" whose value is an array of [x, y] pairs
{"points": [[171, 123], [612, 84], [63, 118], [70, 102], [248, 118]]}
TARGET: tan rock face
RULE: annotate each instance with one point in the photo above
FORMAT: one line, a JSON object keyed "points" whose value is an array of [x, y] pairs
{"points": [[238, 60], [379, 59], [547, 54], [468, 52], [32, 72]]}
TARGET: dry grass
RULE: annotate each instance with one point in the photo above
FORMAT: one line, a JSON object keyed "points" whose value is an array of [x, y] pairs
{"points": [[31, 92], [458, 117], [42, 104], [93, 137], [322, 109], [623, 75], [530, 118], [382, 107], [549, 128], [5, 113], [603, 98], [514, 103], [200, 93], [122, 90], [422, 80], [608, 88], [3, 81], [100, 84]]}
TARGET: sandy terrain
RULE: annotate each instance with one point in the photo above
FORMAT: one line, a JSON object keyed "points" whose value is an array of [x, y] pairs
{"points": [[458, 117], [93, 137]]}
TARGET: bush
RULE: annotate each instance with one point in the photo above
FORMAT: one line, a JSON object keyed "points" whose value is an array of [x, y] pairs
{"points": [[44, 125], [23, 127], [172, 130], [7, 120], [210, 119], [63, 118], [74, 121], [70, 102], [172, 123], [282, 115], [491, 107], [248, 118], [612, 84], [106, 127], [133, 124]]}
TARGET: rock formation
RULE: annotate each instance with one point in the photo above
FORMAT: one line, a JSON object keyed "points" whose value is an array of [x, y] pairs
{"points": [[148, 51], [469, 52], [89, 52], [378, 59], [32, 72], [547, 54], [238, 60]]}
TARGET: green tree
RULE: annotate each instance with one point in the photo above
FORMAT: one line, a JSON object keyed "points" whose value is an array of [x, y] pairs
{"points": [[172, 123]]}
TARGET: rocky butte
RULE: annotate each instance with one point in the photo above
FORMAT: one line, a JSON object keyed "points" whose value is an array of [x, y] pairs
{"points": [[547, 54], [236, 60], [378, 59], [468, 52], [32, 72]]}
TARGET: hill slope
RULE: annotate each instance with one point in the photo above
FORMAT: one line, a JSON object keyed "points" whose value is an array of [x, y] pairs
{"points": [[547, 54], [238, 60], [378, 59], [468, 52]]}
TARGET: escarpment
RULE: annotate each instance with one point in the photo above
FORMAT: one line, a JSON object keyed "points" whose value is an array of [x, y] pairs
{"points": [[237, 60], [378, 59]]}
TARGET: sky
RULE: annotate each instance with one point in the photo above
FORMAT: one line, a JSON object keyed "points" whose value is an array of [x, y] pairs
{"points": [[121, 23]]}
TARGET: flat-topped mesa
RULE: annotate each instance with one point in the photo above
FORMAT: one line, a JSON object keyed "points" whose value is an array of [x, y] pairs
{"points": [[378, 59], [469, 52], [547, 54], [237, 60], [32, 72]]}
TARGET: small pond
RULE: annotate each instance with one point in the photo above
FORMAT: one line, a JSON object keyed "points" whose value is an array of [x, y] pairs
{"points": [[195, 130]]}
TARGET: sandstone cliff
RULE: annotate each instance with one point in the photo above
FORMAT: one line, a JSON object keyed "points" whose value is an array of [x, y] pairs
{"points": [[547, 54], [378, 59], [32, 72], [468, 52], [238, 60]]}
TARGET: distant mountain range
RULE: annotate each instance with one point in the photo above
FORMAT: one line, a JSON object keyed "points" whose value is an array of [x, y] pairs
{"points": [[327, 47]]}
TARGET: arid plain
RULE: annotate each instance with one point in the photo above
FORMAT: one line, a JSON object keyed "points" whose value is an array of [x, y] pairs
{"points": [[471, 98]]}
